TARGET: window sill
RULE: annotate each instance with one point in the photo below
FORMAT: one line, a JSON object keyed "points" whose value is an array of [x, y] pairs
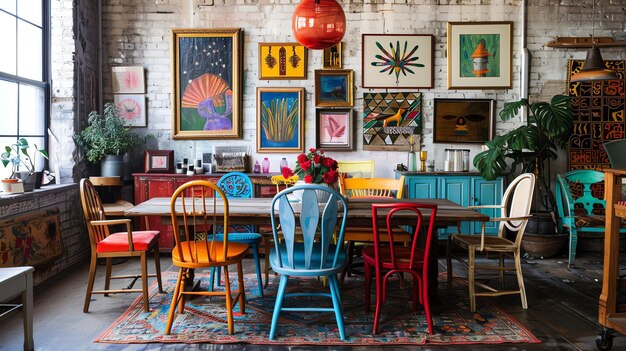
{"points": [[8, 199]]}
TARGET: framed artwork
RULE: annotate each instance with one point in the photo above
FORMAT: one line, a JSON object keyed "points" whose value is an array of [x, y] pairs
{"points": [[397, 60], [280, 120], [334, 129], [480, 55], [131, 108], [331, 58], [464, 120], [206, 82], [391, 119], [282, 61], [128, 80], [158, 161], [333, 88]]}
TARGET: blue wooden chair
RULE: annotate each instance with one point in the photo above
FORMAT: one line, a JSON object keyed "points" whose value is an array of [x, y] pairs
{"points": [[239, 185], [313, 255]]}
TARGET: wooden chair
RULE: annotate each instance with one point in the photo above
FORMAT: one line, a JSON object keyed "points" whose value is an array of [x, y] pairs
{"points": [[108, 245], [312, 256], [355, 169], [515, 212], [195, 248], [386, 257]]}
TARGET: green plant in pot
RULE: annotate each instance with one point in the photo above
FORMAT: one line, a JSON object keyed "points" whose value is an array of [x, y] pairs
{"points": [[23, 164], [107, 139]]}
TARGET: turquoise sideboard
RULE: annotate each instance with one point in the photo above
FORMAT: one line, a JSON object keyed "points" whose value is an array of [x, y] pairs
{"points": [[464, 188]]}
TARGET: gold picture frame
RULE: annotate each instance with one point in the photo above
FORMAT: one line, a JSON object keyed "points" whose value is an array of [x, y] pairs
{"points": [[331, 57], [282, 61], [280, 120], [334, 88]]}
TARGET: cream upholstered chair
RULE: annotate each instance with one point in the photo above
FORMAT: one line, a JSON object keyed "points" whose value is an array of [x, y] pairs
{"points": [[515, 212]]}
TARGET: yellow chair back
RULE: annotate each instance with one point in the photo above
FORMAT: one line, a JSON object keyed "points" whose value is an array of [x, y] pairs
{"points": [[372, 187]]}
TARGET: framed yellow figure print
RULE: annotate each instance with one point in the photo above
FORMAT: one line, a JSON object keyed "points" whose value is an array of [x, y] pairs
{"points": [[282, 61]]}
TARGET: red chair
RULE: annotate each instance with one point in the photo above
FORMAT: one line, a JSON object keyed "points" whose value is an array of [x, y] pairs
{"points": [[386, 257]]}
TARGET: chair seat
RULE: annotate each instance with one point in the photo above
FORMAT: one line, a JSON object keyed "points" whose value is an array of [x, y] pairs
{"points": [[235, 251], [299, 261], [115, 242], [401, 253], [246, 238], [493, 243]]}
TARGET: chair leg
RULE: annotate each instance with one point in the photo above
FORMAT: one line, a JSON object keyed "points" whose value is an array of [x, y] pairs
{"points": [[175, 297], [417, 297], [280, 295], [157, 266], [520, 279], [334, 288], [107, 274], [229, 302], [257, 264], [380, 295], [501, 266], [573, 241], [267, 261], [449, 261], [368, 286], [426, 303], [470, 278], [241, 290], [144, 281], [187, 276], [92, 277], [212, 271]]}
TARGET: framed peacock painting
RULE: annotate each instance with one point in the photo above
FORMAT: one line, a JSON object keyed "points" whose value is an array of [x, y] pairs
{"points": [[280, 120]]}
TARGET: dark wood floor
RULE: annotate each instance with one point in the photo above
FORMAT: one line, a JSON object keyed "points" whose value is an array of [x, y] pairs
{"points": [[563, 308]]}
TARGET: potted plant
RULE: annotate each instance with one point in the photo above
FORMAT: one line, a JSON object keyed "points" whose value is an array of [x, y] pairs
{"points": [[107, 139], [22, 163], [531, 147]]}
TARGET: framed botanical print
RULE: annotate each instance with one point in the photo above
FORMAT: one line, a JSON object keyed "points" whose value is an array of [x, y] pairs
{"points": [[334, 129], [158, 161], [331, 57], [128, 80], [397, 60], [334, 88], [480, 55], [282, 61], [463, 120], [280, 119], [131, 108], [206, 82]]}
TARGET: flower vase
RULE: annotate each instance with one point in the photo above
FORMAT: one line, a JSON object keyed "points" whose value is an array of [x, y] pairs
{"points": [[323, 196]]}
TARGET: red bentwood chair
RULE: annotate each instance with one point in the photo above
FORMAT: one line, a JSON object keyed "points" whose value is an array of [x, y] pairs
{"points": [[384, 256]]}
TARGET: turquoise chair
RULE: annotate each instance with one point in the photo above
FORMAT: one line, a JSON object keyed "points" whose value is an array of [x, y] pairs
{"points": [[313, 255], [239, 185]]}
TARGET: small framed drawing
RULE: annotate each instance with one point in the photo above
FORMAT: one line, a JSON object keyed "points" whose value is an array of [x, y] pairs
{"points": [[128, 80], [480, 55], [282, 61], [280, 119], [333, 88], [463, 120], [131, 108], [331, 58], [158, 161], [397, 60], [334, 129]]}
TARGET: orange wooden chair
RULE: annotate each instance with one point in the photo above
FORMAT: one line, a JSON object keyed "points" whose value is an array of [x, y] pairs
{"points": [[193, 214], [122, 244]]}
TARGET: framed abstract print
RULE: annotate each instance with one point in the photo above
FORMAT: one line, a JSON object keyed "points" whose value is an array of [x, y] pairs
{"points": [[206, 82], [282, 61], [128, 80], [480, 55], [334, 88], [158, 161], [280, 119], [131, 108], [334, 129], [463, 120]]}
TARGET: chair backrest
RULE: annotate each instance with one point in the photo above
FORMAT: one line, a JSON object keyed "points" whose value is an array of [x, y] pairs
{"points": [[517, 201], [317, 221], [279, 180], [93, 211], [616, 150], [194, 214], [372, 187], [420, 228], [356, 169], [580, 192], [236, 185]]}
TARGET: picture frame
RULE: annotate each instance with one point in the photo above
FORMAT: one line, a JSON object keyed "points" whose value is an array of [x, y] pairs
{"points": [[280, 120], [480, 55], [158, 161], [334, 129], [397, 61], [463, 120], [207, 92], [331, 57], [131, 108], [334, 88], [392, 120], [128, 80], [282, 61]]}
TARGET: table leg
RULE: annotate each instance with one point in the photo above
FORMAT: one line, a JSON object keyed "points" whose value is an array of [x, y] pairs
{"points": [[27, 310]]}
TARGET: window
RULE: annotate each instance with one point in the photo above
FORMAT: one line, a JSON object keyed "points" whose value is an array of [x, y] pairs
{"points": [[24, 73]]}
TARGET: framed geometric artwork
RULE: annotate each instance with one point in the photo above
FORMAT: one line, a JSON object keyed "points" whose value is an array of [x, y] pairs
{"points": [[282, 61], [397, 60], [390, 119], [463, 120], [333, 88], [280, 119], [158, 161], [331, 58], [131, 108], [334, 129], [128, 80], [480, 55], [206, 82]]}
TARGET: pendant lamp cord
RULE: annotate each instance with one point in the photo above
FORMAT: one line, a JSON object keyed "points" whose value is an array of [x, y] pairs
{"points": [[593, 23]]}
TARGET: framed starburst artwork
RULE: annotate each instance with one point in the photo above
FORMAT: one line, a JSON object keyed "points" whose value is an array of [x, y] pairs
{"points": [[334, 129], [397, 60], [131, 108]]}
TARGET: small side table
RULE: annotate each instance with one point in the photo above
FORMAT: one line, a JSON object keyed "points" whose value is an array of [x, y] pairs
{"points": [[15, 281]]}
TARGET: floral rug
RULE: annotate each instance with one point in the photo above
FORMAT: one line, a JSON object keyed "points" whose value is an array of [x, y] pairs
{"points": [[204, 320]]}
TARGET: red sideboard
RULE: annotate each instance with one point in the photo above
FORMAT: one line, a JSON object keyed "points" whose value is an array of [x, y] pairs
{"points": [[149, 185]]}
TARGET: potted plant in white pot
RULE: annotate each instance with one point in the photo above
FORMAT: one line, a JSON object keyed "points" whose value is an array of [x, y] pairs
{"points": [[22, 163], [106, 140]]}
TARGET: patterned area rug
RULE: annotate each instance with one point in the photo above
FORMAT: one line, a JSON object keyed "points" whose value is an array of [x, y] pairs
{"points": [[204, 320]]}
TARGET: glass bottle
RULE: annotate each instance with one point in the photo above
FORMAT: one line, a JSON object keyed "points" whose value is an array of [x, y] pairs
{"points": [[266, 165], [283, 164], [411, 162], [257, 167]]}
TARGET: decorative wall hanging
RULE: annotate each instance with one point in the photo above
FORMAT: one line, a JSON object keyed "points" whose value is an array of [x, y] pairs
{"points": [[282, 61], [390, 119], [599, 109], [318, 24], [128, 80], [131, 108], [30, 240], [480, 55], [397, 60], [280, 119], [206, 81], [463, 120], [334, 129], [331, 58], [334, 87]]}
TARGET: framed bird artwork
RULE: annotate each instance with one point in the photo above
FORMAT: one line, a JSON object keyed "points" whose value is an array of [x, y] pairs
{"points": [[463, 120]]}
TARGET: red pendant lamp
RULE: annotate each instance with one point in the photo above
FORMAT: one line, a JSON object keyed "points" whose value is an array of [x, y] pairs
{"points": [[318, 24]]}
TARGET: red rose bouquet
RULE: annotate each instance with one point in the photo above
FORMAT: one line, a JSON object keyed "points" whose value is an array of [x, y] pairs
{"points": [[317, 168]]}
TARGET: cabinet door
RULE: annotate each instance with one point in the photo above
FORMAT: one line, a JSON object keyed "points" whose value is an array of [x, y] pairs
{"points": [[422, 187], [486, 192], [161, 187], [455, 189]]}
